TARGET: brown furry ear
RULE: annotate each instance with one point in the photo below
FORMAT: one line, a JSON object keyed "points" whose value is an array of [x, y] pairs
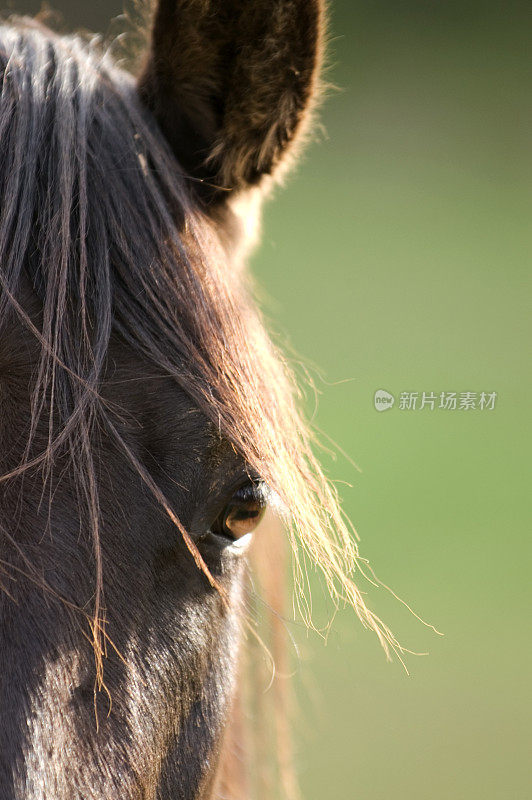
{"points": [[231, 83]]}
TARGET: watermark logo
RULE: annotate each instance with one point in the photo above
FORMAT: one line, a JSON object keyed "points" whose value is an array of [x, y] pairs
{"points": [[436, 401], [383, 400]]}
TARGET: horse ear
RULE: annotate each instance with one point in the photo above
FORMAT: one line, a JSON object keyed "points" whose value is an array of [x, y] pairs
{"points": [[231, 83]]}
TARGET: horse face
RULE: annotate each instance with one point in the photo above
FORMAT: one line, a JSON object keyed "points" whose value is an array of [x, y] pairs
{"points": [[167, 503], [156, 727]]}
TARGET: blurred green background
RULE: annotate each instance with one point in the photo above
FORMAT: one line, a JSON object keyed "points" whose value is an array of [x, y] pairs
{"points": [[398, 257]]}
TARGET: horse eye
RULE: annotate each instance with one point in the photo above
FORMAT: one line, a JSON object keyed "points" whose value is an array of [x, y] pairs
{"points": [[242, 519], [243, 513]]}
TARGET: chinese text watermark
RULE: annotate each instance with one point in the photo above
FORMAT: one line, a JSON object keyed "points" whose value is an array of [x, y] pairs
{"points": [[436, 401]]}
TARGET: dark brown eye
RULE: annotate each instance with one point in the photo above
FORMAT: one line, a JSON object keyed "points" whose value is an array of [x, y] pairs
{"points": [[243, 513], [243, 519]]}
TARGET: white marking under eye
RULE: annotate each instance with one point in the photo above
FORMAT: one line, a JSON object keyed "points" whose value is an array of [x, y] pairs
{"points": [[242, 544]]}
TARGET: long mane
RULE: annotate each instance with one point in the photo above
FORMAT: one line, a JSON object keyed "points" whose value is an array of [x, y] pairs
{"points": [[98, 214]]}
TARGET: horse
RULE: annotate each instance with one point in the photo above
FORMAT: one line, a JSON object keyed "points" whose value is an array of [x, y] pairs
{"points": [[146, 418]]}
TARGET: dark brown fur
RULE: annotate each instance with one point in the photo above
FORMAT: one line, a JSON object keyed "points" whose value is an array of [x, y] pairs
{"points": [[231, 83], [135, 384], [138, 391]]}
